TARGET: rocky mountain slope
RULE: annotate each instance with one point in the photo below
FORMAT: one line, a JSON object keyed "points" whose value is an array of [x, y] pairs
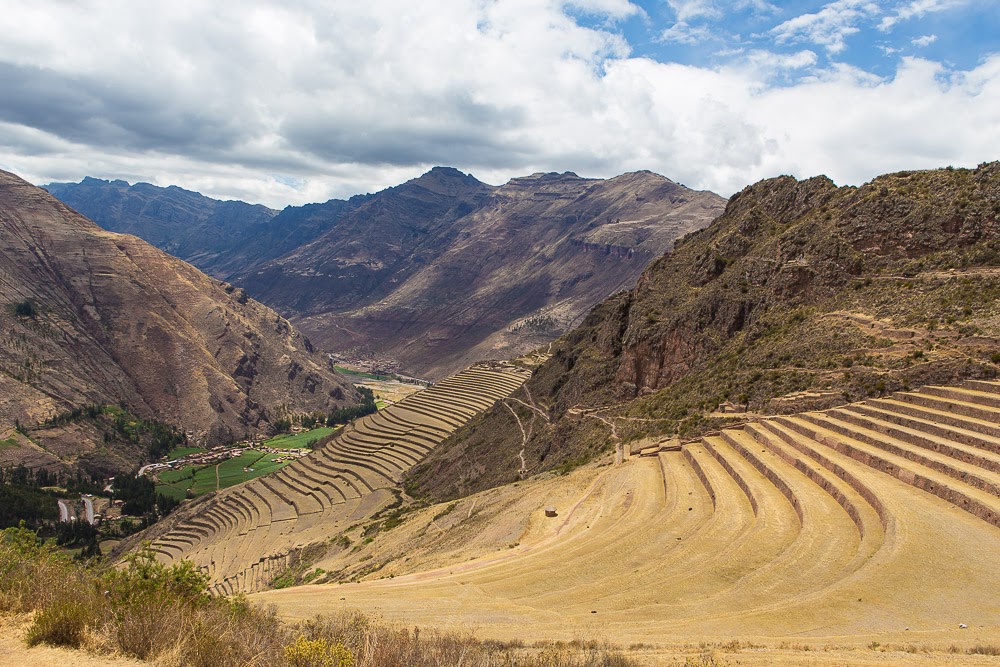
{"points": [[437, 272], [91, 317], [801, 295], [444, 270]]}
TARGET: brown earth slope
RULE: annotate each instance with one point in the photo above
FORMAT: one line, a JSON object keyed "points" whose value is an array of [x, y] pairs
{"points": [[444, 270], [802, 295], [92, 317]]}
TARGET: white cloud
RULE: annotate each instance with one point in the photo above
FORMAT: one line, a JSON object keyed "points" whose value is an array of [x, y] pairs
{"points": [[682, 33], [924, 40], [301, 102], [828, 27], [689, 9], [613, 8], [917, 9]]}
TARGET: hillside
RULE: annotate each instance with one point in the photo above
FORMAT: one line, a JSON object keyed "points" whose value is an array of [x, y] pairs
{"points": [[91, 317], [802, 295], [436, 273], [222, 238], [444, 270]]}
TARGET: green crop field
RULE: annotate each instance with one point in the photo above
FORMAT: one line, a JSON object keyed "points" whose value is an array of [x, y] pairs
{"points": [[202, 479], [298, 440], [183, 451], [361, 374]]}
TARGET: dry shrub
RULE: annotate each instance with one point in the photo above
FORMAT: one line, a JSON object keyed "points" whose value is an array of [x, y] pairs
{"points": [[376, 645], [63, 623], [146, 610]]}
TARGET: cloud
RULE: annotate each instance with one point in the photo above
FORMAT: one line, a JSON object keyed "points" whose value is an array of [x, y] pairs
{"points": [[917, 9], [925, 40], [685, 10], [689, 9], [829, 27], [299, 102], [616, 9], [682, 33]]}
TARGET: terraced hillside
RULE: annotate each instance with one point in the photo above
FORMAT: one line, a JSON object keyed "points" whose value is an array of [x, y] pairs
{"points": [[877, 520], [243, 536]]}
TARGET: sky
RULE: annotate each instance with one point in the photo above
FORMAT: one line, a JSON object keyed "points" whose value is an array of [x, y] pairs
{"points": [[287, 103]]}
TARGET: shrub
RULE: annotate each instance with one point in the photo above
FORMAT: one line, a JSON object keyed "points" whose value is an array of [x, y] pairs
{"points": [[317, 653], [25, 309], [64, 623]]}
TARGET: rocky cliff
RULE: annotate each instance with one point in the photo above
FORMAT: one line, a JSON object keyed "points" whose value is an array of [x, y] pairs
{"points": [[93, 317], [800, 295]]}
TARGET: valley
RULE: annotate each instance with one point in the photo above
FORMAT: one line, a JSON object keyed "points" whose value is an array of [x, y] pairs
{"points": [[431, 275], [779, 447]]}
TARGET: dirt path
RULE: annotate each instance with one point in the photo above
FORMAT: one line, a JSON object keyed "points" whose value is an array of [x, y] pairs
{"points": [[524, 440]]}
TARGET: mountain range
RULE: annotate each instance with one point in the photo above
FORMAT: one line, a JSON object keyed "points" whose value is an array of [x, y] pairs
{"points": [[436, 273], [91, 317]]}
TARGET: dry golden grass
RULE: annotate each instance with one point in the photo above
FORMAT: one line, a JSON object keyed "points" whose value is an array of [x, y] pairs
{"points": [[154, 613]]}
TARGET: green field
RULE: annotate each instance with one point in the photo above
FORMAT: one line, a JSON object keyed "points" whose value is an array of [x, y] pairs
{"points": [[183, 451], [361, 374], [202, 479], [298, 440], [9, 442]]}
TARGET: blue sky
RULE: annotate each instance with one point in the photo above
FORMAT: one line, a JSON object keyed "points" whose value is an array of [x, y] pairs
{"points": [[868, 35], [287, 103]]}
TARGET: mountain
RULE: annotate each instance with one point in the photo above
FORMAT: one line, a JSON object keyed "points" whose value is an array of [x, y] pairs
{"points": [[219, 237], [801, 296], [438, 272], [91, 317]]}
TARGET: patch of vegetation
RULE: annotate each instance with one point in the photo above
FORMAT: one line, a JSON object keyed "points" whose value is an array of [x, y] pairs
{"points": [[366, 407], [361, 374], [26, 308], [118, 425], [305, 439]]}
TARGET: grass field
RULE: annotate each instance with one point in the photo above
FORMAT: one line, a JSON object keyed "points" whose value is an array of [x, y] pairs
{"points": [[9, 442], [361, 374], [202, 479], [184, 451], [298, 440]]}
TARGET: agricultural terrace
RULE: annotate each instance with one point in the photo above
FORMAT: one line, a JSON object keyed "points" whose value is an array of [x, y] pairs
{"points": [[868, 525], [245, 536]]}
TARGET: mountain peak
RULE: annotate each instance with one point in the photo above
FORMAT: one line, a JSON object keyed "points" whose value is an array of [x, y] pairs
{"points": [[447, 181]]}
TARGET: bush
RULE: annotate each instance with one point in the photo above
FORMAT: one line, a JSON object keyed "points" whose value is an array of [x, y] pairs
{"points": [[63, 623], [317, 653], [147, 610], [25, 309]]}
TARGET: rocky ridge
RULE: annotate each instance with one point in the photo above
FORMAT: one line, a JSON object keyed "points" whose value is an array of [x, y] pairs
{"points": [[442, 270]]}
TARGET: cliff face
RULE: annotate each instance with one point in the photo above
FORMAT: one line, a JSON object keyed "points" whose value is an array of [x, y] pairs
{"points": [[93, 317], [801, 293], [438, 272]]}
